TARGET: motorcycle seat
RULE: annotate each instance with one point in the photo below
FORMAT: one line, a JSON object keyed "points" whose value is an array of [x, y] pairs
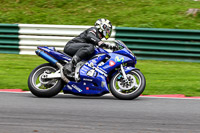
{"points": [[65, 54]]}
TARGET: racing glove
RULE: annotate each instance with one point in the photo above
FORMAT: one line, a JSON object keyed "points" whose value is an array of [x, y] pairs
{"points": [[109, 46]]}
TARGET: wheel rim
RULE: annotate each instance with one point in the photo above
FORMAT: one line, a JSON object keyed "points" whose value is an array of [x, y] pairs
{"points": [[42, 84], [127, 88]]}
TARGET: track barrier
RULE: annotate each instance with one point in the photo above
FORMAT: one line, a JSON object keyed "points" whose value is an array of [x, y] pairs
{"points": [[146, 43]]}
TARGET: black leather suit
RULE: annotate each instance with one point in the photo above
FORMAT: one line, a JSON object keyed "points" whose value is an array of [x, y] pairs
{"points": [[83, 45]]}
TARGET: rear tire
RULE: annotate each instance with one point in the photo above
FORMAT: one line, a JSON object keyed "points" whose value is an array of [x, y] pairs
{"points": [[42, 87], [129, 91]]}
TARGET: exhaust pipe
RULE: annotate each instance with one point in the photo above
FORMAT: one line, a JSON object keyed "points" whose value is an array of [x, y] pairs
{"points": [[61, 72], [46, 57], [52, 61]]}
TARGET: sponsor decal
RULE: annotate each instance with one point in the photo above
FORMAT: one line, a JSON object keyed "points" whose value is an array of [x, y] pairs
{"points": [[69, 87], [96, 69], [87, 79], [105, 67], [102, 76], [112, 63], [117, 59], [46, 49], [77, 88], [95, 89], [102, 70]]}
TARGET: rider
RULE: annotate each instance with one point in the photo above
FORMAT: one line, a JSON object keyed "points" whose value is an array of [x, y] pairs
{"points": [[82, 46]]}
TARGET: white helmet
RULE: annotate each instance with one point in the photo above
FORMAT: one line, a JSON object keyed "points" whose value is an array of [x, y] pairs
{"points": [[104, 26]]}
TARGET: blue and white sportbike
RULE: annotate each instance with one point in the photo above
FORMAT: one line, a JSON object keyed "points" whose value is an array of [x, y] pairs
{"points": [[102, 73]]}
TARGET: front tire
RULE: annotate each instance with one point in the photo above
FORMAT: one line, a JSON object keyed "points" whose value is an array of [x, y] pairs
{"points": [[44, 87], [128, 90]]}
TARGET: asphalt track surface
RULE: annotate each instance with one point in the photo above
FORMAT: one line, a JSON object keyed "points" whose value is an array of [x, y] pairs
{"points": [[25, 113]]}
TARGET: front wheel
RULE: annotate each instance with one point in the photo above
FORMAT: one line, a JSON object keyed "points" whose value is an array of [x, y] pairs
{"points": [[42, 87], [128, 89]]}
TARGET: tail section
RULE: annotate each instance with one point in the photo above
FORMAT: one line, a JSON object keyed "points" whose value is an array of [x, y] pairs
{"points": [[54, 54]]}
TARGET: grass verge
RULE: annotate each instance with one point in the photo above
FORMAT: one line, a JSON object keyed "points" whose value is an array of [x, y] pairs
{"points": [[163, 77], [123, 13]]}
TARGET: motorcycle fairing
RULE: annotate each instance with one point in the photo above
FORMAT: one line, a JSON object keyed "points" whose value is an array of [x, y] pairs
{"points": [[114, 61], [88, 86], [95, 84], [127, 53]]}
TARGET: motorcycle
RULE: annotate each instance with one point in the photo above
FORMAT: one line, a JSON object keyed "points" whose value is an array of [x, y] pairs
{"points": [[102, 73]]}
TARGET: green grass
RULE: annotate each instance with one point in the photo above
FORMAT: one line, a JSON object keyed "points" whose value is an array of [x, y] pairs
{"points": [[15, 69], [170, 77], [163, 77], [129, 13]]}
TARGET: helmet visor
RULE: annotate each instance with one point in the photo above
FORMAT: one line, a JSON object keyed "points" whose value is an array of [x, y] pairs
{"points": [[108, 31]]}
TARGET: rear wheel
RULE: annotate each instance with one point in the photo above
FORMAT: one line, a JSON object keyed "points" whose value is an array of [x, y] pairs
{"points": [[42, 87], [128, 89]]}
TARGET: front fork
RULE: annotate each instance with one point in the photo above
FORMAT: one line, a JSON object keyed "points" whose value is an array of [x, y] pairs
{"points": [[123, 72], [124, 75]]}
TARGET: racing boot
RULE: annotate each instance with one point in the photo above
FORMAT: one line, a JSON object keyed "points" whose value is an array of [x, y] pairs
{"points": [[69, 67]]}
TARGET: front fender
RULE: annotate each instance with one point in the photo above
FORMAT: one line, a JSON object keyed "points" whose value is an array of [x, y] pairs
{"points": [[129, 68], [126, 69]]}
